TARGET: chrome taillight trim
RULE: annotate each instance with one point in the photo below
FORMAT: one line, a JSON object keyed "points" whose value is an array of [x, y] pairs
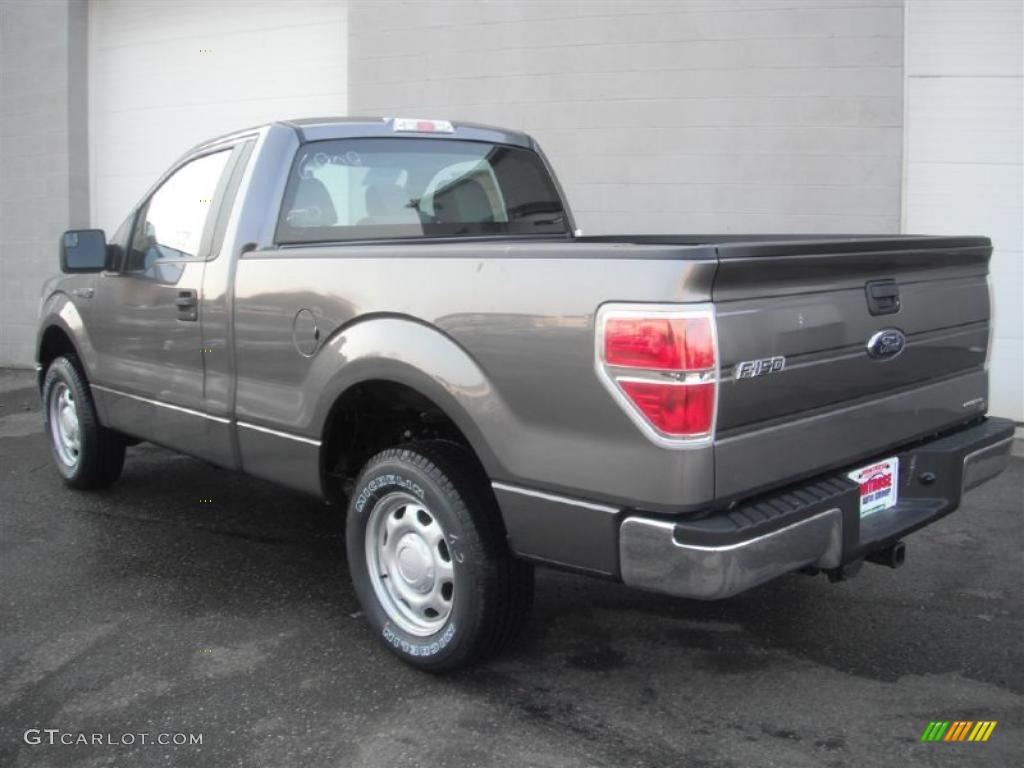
{"points": [[610, 375]]}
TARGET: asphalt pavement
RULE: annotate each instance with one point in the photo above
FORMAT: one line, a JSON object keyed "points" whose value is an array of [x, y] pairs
{"points": [[187, 600]]}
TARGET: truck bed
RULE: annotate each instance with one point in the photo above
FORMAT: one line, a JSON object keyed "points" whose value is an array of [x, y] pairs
{"points": [[523, 310]]}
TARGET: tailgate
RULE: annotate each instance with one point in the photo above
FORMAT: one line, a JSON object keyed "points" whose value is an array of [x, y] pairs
{"points": [[809, 310]]}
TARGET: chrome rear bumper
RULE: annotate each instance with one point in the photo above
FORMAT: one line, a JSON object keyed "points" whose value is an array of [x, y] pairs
{"points": [[653, 559], [986, 463], [815, 525]]}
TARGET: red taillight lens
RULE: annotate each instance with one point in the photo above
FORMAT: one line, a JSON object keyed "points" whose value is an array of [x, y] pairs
{"points": [[659, 343], [680, 410], [661, 364]]}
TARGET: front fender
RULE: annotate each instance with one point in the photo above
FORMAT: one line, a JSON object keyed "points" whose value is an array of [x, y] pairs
{"points": [[408, 352], [58, 310]]}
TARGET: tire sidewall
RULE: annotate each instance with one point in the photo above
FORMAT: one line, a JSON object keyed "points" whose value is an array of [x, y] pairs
{"points": [[58, 374], [398, 474]]}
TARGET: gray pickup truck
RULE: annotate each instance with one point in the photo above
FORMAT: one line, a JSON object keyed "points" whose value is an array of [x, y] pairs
{"points": [[399, 316]]}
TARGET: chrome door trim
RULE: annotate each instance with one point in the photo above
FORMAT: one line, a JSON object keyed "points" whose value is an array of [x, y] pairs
{"points": [[161, 404], [555, 498], [218, 419], [278, 433]]}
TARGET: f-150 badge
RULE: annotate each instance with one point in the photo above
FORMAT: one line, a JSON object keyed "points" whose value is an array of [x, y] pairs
{"points": [[750, 369]]}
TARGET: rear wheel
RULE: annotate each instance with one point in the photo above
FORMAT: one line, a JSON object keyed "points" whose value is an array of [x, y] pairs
{"points": [[428, 557], [86, 454]]}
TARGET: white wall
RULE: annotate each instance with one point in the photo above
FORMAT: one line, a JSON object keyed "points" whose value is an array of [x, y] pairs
{"points": [[155, 91], [665, 115], [965, 138], [43, 173]]}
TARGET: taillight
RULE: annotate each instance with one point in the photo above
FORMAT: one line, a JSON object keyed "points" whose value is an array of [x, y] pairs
{"points": [[673, 408], [661, 364], [659, 343]]}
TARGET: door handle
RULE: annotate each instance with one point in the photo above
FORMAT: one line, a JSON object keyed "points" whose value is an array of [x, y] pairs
{"points": [[187, 303], [883, 297], [82, 293]]}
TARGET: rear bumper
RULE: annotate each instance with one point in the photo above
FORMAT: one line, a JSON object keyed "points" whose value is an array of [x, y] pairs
{"points": [[816, 524]]}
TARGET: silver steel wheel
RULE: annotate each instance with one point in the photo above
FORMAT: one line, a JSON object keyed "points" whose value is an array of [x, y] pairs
{"points": [[65, 432], [410, 566]]}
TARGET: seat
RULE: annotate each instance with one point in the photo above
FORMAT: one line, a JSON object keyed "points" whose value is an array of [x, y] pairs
{"points": [[312, 206], [388, 204], [464, 202]]}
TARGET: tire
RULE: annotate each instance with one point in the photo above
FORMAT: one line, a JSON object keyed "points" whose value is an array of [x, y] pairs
{"points": [[87, 455], [443, 528]]}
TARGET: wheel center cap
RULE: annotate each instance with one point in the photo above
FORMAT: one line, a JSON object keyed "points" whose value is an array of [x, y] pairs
{"points": [[415, 565]]}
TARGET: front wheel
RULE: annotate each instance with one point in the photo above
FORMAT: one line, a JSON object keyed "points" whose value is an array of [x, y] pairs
{"points": [[87, 454], [428, 557]]}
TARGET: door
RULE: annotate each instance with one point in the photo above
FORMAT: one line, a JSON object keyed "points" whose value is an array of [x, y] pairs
{"points": [[147, 315]]}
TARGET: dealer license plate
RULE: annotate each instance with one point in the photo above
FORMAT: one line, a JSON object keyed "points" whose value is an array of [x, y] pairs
{"points": [[879, 483]]}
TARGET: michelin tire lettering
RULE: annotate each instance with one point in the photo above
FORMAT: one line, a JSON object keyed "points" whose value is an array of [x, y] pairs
{"points": [[382, 481], [416, 649]]}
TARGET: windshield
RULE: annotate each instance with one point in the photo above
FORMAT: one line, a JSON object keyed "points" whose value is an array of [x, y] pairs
{"points": [[358, 189]]}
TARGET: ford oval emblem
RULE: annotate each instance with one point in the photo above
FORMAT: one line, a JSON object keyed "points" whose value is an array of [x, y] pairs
{"points": [[886, 344]]}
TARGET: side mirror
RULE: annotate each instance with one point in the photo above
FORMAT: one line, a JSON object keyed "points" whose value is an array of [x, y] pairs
{"points": [[83, 250]]}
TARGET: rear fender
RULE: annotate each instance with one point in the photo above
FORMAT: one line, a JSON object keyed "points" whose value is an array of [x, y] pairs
{"points": [[408, 352]]}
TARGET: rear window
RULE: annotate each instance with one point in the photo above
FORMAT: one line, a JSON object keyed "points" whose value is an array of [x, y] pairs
{"points": [[359, 189]]}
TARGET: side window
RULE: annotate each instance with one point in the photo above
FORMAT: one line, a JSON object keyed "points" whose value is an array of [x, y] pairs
{"points": [[170, 224]]}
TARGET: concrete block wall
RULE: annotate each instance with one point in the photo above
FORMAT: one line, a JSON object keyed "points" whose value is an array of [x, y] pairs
{"points": [[659, 115], [665, 115], [964, 171], [166, 75], [43, 155]]}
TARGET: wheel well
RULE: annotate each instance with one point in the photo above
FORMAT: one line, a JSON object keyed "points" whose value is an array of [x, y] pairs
{"points": [[372, 416], [55, 343]]}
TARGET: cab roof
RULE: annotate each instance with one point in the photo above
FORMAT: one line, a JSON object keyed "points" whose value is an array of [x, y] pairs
{"points": [[326, 128], [320, 128]]}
